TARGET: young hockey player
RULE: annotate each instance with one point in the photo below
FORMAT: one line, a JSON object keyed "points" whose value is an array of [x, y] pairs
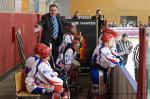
{"points": [[68, 38], [102, 60], [66, 58], [41, 79], [81, 55], [32, 59]]}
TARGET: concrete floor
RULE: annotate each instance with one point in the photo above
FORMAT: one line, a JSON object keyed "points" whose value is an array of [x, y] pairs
{"points": [[7, 88]]}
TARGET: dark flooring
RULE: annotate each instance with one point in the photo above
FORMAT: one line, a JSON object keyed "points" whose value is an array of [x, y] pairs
{"points": [[7, 88]]}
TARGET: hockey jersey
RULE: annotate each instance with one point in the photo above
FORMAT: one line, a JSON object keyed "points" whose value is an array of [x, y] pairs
{"points": [[41, 72], [30, 62], [67, 39], [107, 58], [66, 59], [103, 56]]}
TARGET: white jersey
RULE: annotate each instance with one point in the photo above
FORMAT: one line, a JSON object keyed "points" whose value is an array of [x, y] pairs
{"points": [[114, 50], [107, 58], [67, 39], [41, 73], [66, 58], [30, 62], [30, 79], [96, 54]]}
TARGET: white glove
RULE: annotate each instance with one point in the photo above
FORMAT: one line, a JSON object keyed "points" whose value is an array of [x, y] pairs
{"points": [[37, 29]]}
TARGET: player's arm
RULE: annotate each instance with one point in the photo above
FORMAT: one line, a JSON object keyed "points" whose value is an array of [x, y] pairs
{"points": [[110, 57], [40, 24], [49, 75], [68, 57]]}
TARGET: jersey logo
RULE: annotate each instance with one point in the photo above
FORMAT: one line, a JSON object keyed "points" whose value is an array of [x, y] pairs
{"points": [[52, 75], [107, 54], [45, 71]]}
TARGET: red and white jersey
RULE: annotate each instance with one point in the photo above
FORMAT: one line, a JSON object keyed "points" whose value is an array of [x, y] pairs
{"points": [[66, 58], [41, 73], [29, 80], [30, 62], [67, 38], [107, 58]]}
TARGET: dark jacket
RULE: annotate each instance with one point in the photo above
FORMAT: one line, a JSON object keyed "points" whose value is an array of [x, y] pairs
{"points": [[100, 22], [46, 23], [75, 17]]}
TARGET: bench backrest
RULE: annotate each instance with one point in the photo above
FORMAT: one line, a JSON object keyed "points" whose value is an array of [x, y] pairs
{"points": [[20, 80]]}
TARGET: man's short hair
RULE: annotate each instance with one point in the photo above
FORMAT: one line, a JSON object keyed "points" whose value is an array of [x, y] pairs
{"points": [[53, 5], [98, 10], [77, 12], [124, 35]]}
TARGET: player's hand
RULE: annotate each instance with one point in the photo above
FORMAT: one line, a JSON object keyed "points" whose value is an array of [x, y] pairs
{"points": [[117, 60], [55, 73]]}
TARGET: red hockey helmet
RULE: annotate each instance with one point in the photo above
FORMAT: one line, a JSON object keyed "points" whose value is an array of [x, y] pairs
{"points": [[113, 33], [42, 50], [36, 48], [106, 37]]}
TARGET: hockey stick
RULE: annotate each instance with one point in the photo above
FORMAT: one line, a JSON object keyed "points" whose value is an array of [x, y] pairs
{"points": [[21, 50]]}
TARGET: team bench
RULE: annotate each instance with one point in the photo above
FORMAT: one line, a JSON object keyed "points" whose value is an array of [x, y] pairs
{"points": [[21, 91]]}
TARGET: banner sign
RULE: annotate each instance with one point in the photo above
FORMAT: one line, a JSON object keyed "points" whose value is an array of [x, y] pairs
{"points": [[131, 31], [18, 6], [88, 30], [25, 5]]}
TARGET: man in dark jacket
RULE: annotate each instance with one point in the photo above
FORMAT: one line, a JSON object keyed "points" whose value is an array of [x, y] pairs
{"points": [[100, 18], [51, 25], [76, 15]]}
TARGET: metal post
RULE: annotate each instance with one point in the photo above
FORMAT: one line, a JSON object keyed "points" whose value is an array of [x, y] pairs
{"points": [[96, 31]]}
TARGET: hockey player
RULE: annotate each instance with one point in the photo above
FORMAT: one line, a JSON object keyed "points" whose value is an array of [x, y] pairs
{"points": [[32, 59], [102, 60], [66, 58], [81, 55], [68, 38], [113, 48], [41, 79]]}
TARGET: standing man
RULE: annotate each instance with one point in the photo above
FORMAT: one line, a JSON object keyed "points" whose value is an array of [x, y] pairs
{"points": [[51, 25], [100, 18], [76, 15], [136, 60], [124, 45]]}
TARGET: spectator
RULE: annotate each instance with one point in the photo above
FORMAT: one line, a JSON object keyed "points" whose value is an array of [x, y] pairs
{"points": [[100, 18], [52, 29], [76, 15], [124, 45], [124, 23], [136, 60]]}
